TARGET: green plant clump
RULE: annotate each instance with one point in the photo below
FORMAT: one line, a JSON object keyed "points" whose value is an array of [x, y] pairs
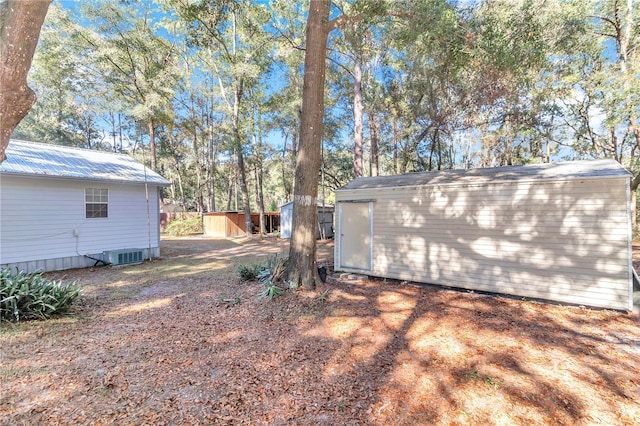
{"points": [[250, 272], [185, 226], [272, 272], [266, 274], [25, 296]]}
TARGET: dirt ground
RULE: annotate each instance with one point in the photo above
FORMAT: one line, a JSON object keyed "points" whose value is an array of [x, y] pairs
{"points": [[182, 340]]}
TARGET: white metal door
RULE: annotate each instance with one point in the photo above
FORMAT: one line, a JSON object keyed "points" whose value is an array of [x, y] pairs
{"points": [[355, 235]]}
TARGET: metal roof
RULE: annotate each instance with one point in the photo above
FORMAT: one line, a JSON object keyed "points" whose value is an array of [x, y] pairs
{"points": [[47, 160], [570, 170]]}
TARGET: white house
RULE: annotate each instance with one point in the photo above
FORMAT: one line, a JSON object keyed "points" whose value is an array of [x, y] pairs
{"points": [[64, 208], [324, 228], [559, 232]]}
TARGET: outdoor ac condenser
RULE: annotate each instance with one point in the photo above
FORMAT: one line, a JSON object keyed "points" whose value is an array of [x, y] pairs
{"points": [[123, 257]]}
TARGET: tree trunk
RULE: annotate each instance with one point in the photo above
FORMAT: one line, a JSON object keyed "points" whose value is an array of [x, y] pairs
{"points": [[231, 183], [635, 182], [302, 255], [152, 142], [259, 178], [358, 166], [285, 182], [374, 132], [178, 173], [196, 155], [211, 177], [242, 174], [20, 23], [183, 200], [260, 197], [395, 145], [197, 166], [624, 38]]}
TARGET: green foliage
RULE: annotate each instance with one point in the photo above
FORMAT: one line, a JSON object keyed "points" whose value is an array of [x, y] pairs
{"points": [[252, 271], [323, 297], [26, 296], [264, 273], [185, 226], [488, 381], [272, 273], [448, 84], [270, 290]]}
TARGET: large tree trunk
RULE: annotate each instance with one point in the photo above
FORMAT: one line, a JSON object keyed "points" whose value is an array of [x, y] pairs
{"points": [[302, 255], [20, 23], [358, 166]]}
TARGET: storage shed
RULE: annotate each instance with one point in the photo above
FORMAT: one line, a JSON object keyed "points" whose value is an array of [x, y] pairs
{"points": [[324, 228], [559, 232], [63, 207], [232, 224]]}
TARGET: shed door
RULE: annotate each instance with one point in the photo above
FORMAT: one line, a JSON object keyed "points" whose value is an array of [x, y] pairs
{"points": [[355, 235]]}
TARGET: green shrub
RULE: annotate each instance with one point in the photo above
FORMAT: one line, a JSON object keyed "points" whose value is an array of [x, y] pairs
{"points": [[266, 273], [270, 275], [250, 272], [270, 290], [186, 226], [26, 296]]}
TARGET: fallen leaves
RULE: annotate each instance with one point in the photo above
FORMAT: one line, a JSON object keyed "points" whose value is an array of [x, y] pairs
{"points": [[200, 348]]}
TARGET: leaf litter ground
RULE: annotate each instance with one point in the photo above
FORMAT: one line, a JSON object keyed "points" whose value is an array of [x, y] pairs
{"points": [[182, 340]]}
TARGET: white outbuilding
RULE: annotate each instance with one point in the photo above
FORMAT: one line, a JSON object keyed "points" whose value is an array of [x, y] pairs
{"points": [[63, 208], [560, 232], [324, 225]]}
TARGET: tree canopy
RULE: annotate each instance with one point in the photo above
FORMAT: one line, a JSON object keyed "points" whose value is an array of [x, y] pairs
{"points": [[210, 92]]}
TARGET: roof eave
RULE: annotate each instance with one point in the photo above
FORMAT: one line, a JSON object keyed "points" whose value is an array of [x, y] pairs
{"points": [[487, 182], [77, 178]]}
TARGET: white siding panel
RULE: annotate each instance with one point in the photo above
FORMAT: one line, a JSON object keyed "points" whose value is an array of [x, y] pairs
{"points": [[566, 241], [286, 220], [44, 219]]}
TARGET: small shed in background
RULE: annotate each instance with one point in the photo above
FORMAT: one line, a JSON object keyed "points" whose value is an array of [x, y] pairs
{"points": [[559, 232], [324, 228], [232, 224]]}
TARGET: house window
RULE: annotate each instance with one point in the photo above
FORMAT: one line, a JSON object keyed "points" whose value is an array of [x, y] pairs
{"points": [[97, 202]]}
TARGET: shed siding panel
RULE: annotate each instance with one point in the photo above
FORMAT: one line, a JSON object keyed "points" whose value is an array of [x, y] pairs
{"points": [[564, 241], [215, 225], [38, 218], [286, 220]]}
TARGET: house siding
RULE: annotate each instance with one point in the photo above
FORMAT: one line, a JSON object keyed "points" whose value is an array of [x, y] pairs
{"points": [[566, 240], [43, 224]]}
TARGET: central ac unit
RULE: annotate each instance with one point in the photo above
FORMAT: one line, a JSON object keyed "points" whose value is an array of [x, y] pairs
{"points": [[123, 257]]}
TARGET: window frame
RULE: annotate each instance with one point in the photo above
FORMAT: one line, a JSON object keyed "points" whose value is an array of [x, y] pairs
{"points": [[96, 203]]}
